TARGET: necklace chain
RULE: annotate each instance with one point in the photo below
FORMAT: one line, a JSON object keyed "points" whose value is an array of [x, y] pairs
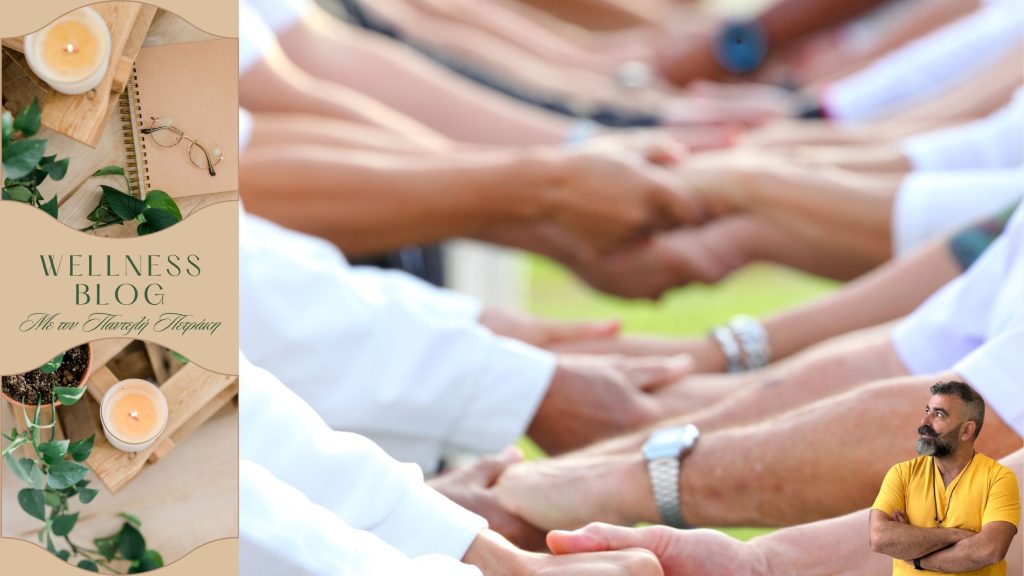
{"points": [[949, 502]]}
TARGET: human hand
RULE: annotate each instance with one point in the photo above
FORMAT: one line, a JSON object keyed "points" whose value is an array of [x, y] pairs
{"points": [[703, 254], [546, 333], [570, 492], [683, 58], [680, 552], [470, 487], [494, 556], [608, 199], [900, 516], [594, 397]]}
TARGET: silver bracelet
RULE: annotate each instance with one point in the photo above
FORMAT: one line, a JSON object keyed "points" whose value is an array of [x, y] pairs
{"points": [[726, 340], [753, 339]]}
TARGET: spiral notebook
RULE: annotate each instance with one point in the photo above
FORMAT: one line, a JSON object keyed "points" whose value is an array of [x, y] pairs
{"points": [[196, 84]]}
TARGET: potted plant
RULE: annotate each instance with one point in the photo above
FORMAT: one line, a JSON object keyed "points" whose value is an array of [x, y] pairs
{"points": [[51, 384], [54, 471]]}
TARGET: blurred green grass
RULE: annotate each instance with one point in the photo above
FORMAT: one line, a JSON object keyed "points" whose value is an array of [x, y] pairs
{"points": [[758, 289]]}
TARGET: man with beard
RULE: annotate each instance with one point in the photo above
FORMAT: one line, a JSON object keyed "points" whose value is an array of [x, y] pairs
{"points": [[951, 509]]}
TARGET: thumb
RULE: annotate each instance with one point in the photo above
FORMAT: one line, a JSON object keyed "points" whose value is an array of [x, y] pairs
{"points": [[559, 332], [594, 538], [653, 372], [486, 471]]}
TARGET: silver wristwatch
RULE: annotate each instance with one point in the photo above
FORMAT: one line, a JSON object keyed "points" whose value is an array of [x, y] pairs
{"points": [[663, 451]]}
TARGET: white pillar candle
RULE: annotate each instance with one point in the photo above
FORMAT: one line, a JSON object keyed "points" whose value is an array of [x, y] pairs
{"points": [[134, 414], [72, 54]]}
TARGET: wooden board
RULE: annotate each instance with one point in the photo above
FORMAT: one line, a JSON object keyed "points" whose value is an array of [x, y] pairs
{"points": [[78, 193], [83, 117], [193, 394]]}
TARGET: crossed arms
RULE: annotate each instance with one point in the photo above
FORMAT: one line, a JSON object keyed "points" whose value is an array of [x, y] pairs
{"points": [[940, 549]]}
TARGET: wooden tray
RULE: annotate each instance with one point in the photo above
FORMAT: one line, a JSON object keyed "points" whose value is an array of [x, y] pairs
{"points": [[83, 117], [193, 396]]}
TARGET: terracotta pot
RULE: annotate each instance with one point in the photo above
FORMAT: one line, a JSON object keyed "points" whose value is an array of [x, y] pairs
{"points": [[46, 414]]}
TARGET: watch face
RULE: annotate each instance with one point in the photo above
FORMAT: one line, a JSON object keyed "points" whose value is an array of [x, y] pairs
{"points": [[670, 442]]}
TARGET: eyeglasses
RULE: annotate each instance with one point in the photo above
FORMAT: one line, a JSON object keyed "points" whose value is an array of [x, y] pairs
{"points": [[202, 153]]}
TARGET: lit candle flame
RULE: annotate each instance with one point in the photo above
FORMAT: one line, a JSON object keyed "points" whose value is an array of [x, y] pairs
{"points": [[134, 414], [70, 48]]}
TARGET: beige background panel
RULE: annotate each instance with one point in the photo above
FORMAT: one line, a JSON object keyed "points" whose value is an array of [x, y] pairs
{"points": [[215, 559], [219, 17], [211, 234]]}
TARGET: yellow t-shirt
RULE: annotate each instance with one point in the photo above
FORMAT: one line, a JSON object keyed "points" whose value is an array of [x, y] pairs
{"points": [[983, 492]]}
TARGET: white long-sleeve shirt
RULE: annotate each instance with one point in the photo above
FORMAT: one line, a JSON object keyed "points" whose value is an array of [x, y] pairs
{"points": [[378, 353], [319, 502], [975, 326], [931, 204], [929, 65], [994, 142]]}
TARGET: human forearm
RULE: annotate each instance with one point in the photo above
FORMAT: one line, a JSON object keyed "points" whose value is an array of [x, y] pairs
{"points": [[275, 84], [977, 551], [408, 82], [367, 203], [907, 542], [790, 20], [849, 212], [884, 294]]}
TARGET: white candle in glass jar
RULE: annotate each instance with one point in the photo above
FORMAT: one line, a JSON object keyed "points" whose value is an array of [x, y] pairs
{"points": [[134, 414], [72, 54]]}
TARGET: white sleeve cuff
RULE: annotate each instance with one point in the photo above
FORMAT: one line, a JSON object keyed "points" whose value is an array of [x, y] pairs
{"points": [[425, 522], [994, 370], [931, 204], [514, 379]]}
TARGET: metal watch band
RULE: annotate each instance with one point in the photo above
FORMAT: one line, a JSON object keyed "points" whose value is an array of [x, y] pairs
{"points": [[753, 339], [664, 474], [726, 340]]}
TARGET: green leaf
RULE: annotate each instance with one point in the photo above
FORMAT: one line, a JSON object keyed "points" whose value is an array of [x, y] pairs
{"points": [[88, 565], [122, 205], [30, 119], [20, 158], [109, 171], [133, 520], [18, 194], [107, 546], [62, 525], [151, 560], [68, 395], [31, 501], [156, 220], [130, 543], [102, 214], [50, 207], [53, 452], [52, 366], [26, 470], [86, 495], [65, 474], [57, 170], [18, 442], [49, 545], [8, 127], [81, 450], [179, 357], [162, 201], [52, 499]]}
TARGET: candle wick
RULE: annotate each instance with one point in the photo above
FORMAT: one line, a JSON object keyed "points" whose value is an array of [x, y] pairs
{"points": [[70, 48], [134, 414]]}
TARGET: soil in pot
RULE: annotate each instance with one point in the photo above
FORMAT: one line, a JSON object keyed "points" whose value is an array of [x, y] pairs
{"points": [[31, 387]]}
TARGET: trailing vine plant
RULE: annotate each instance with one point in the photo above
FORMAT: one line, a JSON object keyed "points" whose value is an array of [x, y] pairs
{"points": [[55, 478]]}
